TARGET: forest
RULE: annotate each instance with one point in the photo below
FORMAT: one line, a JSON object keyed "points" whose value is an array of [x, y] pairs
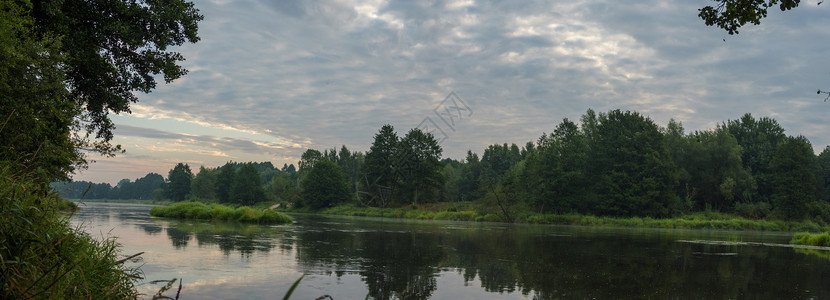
{"points": [[617, 163]]}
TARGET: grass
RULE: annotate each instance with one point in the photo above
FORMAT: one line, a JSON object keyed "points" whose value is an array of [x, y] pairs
{"points": [[201, 211], [468, 211], [809, 239], [130, 201], [431, 211], [702, 220], [42, 256]]}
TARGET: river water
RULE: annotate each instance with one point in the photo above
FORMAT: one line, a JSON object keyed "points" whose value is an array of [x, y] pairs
{"points": [[351, 257]]}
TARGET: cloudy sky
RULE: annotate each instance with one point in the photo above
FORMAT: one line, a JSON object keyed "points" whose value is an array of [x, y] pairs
{"points": [[270, 79]]}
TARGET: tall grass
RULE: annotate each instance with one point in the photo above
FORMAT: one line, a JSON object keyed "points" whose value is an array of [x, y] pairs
{"points": [[692, 221], [808, 239], [43, 257], [201, 211]]}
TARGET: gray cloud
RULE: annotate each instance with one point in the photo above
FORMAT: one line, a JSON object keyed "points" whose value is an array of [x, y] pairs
{"points": [[326, 73]]}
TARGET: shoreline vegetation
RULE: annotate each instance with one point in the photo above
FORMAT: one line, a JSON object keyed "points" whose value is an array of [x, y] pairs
{"points": [[812, 239], [469, 212], [45, 257], [219, 212]]}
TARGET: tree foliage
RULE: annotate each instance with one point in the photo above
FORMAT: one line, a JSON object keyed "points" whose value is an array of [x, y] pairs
{"points": [[794, 183], [246, 188], [179, 182], [37, 114], [555, 172], [730, 15], [325, 186], [65, 65], [114, 48], [418, 161], [630, 169]]}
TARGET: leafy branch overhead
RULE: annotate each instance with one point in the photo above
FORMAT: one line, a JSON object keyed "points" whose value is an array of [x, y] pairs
{"points": [[65, 65], [730, 15]]}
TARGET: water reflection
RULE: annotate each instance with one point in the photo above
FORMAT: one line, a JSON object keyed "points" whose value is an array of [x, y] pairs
{"points": [[352, 257]]}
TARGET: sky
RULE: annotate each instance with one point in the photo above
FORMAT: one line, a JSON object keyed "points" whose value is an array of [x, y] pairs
{"points": [[270, 79]]}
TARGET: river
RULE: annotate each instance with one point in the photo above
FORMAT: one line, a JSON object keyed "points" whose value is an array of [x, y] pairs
{"points": [[352, 257]]}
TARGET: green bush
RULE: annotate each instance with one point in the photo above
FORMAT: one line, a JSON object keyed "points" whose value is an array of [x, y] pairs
{"points": [[201, 211]]}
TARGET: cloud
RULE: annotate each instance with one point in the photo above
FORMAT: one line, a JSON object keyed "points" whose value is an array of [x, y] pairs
{"points": [[318, 74]]}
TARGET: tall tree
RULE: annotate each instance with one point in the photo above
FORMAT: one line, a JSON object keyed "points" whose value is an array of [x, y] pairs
{"points": [[325, 186], [203, 185], [630, 169], [224, 181], [114, 48], [309, 158], [498, 159], [247, 187], [469, 177], [179, 182], [419, 159], [794, 182], [64, 65], [555, 172], [378, 168], [37, 115], [714, 174], [759, 140], [823, 175]]}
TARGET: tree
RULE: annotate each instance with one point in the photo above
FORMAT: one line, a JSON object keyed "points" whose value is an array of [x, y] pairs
{"points": [[66, 64], [247, 187], [37, 115], [732, 14], [308, 158], [114, 48], [281, 187], [449, 190], [470, 174], [419, 160], [350, 163], [179, 182], [630, 169], [794, 182], [379, 174], [224, 181], [713, 172], [759, 140], [203, 185], [325, 186], [498, 159], [823, 175], [555, 173]]}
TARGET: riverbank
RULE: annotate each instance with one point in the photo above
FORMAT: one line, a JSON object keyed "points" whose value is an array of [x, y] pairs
{"points": [[128, 201], [467, 211], [201, 211], [45, 257]]}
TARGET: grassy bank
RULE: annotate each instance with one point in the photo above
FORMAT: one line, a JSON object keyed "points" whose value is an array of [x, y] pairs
{"points": [[129, 201], [809, 239], [201, 211], [44, 257], [466, 211]]}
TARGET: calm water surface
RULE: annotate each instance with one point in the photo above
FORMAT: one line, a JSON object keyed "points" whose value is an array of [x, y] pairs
{"points": [[349, 258]]}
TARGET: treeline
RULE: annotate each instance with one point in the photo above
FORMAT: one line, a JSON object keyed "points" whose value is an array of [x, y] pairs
{"points": [[140, 189], [618, 163]]}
